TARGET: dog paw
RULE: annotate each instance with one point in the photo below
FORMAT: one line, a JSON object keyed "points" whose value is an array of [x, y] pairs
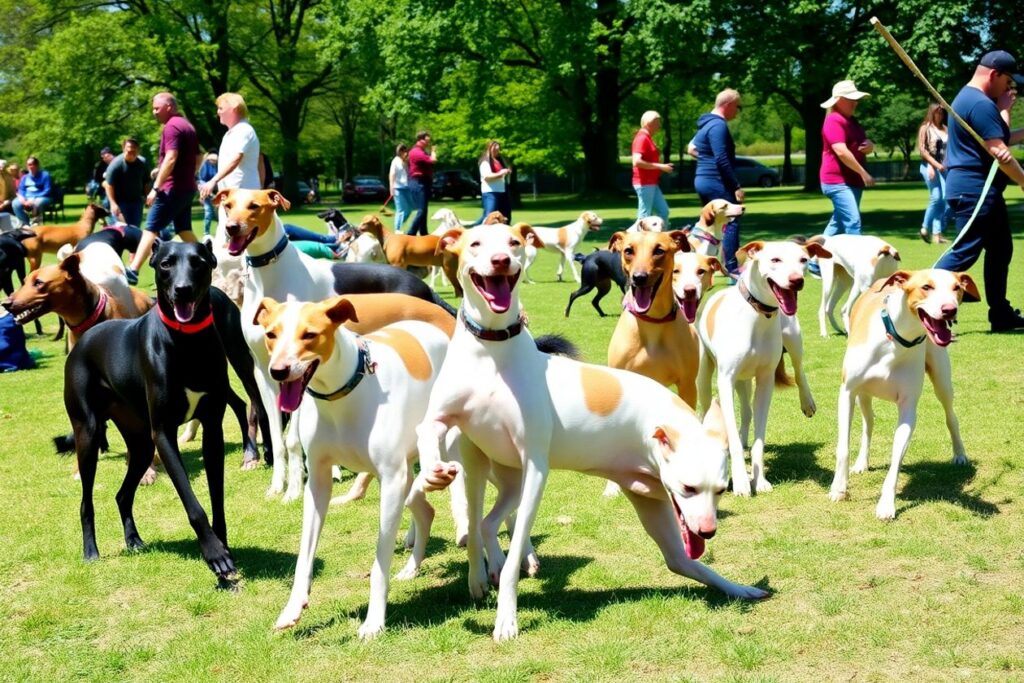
{"points": [[461, 537], [478, 586], [134, 543], [809, 407], [860, 466], [250, 464], [409, 571], [611, 490], [219, 559], [531, 565], [506, 628], [371, 629], [886, 509], [747, 592], [836, 496], [276, 489], [290, 615], [762, 485], [960, 459], [149, 478], [740, 484]]}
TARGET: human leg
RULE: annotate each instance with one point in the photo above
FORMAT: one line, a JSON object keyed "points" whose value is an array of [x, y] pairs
{"points": [[420, 201], [645, 200], [845, 209], [209, 214], [19, 211], [505, 204], [294, 233], [936, 209], [660, 205], [402, 207]]}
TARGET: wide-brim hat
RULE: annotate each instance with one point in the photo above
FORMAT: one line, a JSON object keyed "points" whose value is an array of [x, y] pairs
{"points": [[845, 89]]}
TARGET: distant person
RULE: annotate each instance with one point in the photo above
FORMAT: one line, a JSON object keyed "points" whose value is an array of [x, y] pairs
{"points": [[35, 193], [125, 184], [715, 177], [421, 179], [932, 137], [845, 146], [174, 187], [493, 186], [985, 104], [8, 188], [238, 161], [94, 188], [207, 171], [647, 169], [398, 181]]}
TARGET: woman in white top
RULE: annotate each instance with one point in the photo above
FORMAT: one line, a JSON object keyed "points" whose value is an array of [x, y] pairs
{"points": [[493, 192], [398, 179], [238, 163], [931, 144]]}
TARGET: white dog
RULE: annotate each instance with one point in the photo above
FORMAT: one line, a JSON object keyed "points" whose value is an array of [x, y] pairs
{"points": [[887, 356], [857, 261], [706, 235], [743, 333], [523, 412], [648, 224], [563, 241]]}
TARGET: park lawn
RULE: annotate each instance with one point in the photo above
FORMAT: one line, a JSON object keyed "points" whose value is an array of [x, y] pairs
{"points": [[935, 595]]}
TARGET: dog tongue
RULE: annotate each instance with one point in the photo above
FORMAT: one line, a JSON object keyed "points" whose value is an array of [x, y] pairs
{"points": [[694, 544], [498, 293], [689, 307], [786, 298], [643, 297], [237, 244], [290, 397], [184, 312], [938, 330]]}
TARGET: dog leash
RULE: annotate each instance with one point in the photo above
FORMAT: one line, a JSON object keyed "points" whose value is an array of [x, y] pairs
{"points": [[184, 328], [269, 257], [481, 332], [892, 334], [364, 366], [702, 234], [93, 318], [977, 208], [765, 309]]}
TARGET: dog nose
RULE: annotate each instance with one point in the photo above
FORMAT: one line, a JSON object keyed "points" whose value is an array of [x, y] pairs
{"points": [[501, 261], [796, 282], [182, 291], [233, 228], [689, 291], [707, 533], [280, 372], [949, 311], [640, 278]]}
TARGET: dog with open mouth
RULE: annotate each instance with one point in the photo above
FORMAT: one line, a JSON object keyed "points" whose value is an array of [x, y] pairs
{"points": [[692, 277], [523, 413], [899, 330], [743, 330], [149, 375], [706, 234]]}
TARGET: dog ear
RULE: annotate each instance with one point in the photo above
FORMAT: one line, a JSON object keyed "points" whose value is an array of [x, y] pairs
{"points": [[714, 424], [679, 237], [208, 254], [157, 243], [72, 264], [616, 241], [448, 241], [339, 309], [664, 436], [815, 249], [278, 200], [888, 249], [749, 250], [707, 214], [221, 196], [528, 235], [715, 264], [264, 311], [970, 289], [897, 279]]}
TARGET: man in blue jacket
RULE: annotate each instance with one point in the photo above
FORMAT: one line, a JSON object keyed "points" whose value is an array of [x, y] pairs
{"points": [[35, 192]]}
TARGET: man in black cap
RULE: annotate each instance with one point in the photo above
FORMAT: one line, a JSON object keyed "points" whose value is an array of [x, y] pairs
{"points": [[985, 104]]}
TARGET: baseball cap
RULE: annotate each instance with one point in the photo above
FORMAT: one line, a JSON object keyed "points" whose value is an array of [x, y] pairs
{"points": [[1003, 61], [845, 89], [106, 150]]}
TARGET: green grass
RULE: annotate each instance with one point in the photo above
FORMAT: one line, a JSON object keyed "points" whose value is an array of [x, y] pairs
{"points": [[935, 595]]}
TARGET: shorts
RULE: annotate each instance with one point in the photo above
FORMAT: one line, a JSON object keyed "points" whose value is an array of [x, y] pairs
{"points": [[171, 207]]}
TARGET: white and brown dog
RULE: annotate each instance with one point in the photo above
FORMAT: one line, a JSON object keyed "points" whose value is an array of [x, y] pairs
{"points": [[563, 241], [648, 224], [900, 330], [706, 234], [523, 412], [743, 330], [361, 399], [692, 278], [857, 262]]}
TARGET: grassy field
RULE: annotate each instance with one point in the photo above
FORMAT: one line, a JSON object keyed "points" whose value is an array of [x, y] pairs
{"points": [[935, 595]]}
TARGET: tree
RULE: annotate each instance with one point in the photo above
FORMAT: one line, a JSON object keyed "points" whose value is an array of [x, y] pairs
{"points": [[895, 125]]}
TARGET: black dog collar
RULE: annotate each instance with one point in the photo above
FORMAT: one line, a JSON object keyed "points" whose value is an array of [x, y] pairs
{"points": [[364, 366], [269, 257], [492, 335], [765, 309], [890, 331]]}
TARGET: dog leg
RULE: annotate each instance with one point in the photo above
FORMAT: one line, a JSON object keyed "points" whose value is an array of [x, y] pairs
{"points": [[577, 294], [314, 511], [567, 258], [845, 410], [251, 456], [940, 372], [534, 476], [423, 518], [268, 396], [793, 342], [602, 289], [743, 393], [509, 483], [188, 434], [867, 413], [213, 463], [762, 403], [659, 520], [392, 497], [611, 489], [907, 406], [360, 485], [457, 490], [140, 457], [87, 448], [293, 450], [475, 465], [843, 284], [704, 373], [740, 480]]}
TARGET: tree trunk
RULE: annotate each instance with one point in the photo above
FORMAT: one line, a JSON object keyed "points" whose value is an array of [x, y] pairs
{"points": [[787, 160], [813, 116], [291, 126]]}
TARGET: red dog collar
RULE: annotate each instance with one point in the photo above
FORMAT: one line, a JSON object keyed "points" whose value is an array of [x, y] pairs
{"points": [[93, 318], [185, 328]]}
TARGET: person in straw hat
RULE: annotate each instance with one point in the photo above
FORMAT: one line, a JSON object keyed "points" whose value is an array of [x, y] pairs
{"points": [[844, 146]]}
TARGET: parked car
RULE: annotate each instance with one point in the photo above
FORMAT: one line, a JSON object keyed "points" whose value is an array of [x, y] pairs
{"points": [[364, 188], [752, 172], [308, 195], [455, 184]]}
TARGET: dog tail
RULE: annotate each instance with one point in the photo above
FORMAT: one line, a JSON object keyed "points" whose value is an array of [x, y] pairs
{"points": [[781, 378], [578, 257], [435, 297], [65, 444], [557, 345]]}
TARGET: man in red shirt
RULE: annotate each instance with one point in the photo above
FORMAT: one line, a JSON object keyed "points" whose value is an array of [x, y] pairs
{"points": [[421, 180], [647, 169]]}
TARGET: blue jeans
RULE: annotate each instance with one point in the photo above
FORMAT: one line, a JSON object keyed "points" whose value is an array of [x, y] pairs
{"points": [[708, 191], [845, 209], [989, 231], [938, 213], [651, 202], [496, 201], [421, 200], [295, 233], [39, 205], [171, 208], [132, 212], [209, 214], [403, 207]]}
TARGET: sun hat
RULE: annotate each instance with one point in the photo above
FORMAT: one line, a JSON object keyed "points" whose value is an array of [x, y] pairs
{"points": [[1003, 61], [845, 89]]}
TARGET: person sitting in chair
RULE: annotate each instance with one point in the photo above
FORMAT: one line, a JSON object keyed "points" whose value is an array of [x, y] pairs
{"points": [[35, 193]]}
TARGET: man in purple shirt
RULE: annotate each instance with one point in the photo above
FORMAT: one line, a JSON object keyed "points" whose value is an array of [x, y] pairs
{"points": [[174, 188], [421, 180]]}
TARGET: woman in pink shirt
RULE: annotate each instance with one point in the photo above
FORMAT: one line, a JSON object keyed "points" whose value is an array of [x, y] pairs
{"points": [[844, 146]]}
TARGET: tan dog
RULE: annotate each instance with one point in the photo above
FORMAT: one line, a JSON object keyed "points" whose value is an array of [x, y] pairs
{"points": [[899, 330], [403, 250], [706, 236], [50, 238]]}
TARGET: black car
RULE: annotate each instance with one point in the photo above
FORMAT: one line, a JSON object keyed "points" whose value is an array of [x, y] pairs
{"points": [[455, 184], [752, 172], [364, 188]]}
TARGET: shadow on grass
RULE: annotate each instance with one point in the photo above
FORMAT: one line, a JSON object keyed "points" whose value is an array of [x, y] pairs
{"points": [[252, 562], [795, 462], [931, 481]]}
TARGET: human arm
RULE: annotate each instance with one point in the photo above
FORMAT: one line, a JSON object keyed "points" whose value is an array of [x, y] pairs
{"points": [[719, 139], [162, 174], [934, 165], [488, 175], [207, 188], [847, 158]]}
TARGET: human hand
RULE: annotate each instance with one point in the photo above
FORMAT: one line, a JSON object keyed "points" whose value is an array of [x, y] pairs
{"points": [[1004, 155], [867, 147], [740, 194], [115, 211], [206, 189], [667, 168], [151, 197], [1006, 100], [931, 173], [868, 180]]}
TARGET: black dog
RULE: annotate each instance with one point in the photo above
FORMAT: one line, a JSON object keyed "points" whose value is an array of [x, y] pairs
{"points": [[336, 221], [119, 236], [149, 375], [12, 261], [377, 278], [600, 269]]}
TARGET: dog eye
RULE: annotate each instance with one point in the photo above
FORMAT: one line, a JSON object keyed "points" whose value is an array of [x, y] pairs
{"points": [[475, 244], [628, 251], [271, 335], [689, 491], [676, 271], [701, 272], [719, 491], [165, 264], [658, 251], [254, 206], [39, 284], [514, 243], [776, 260], [804, 259], [927, 288], [308, 335]]}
